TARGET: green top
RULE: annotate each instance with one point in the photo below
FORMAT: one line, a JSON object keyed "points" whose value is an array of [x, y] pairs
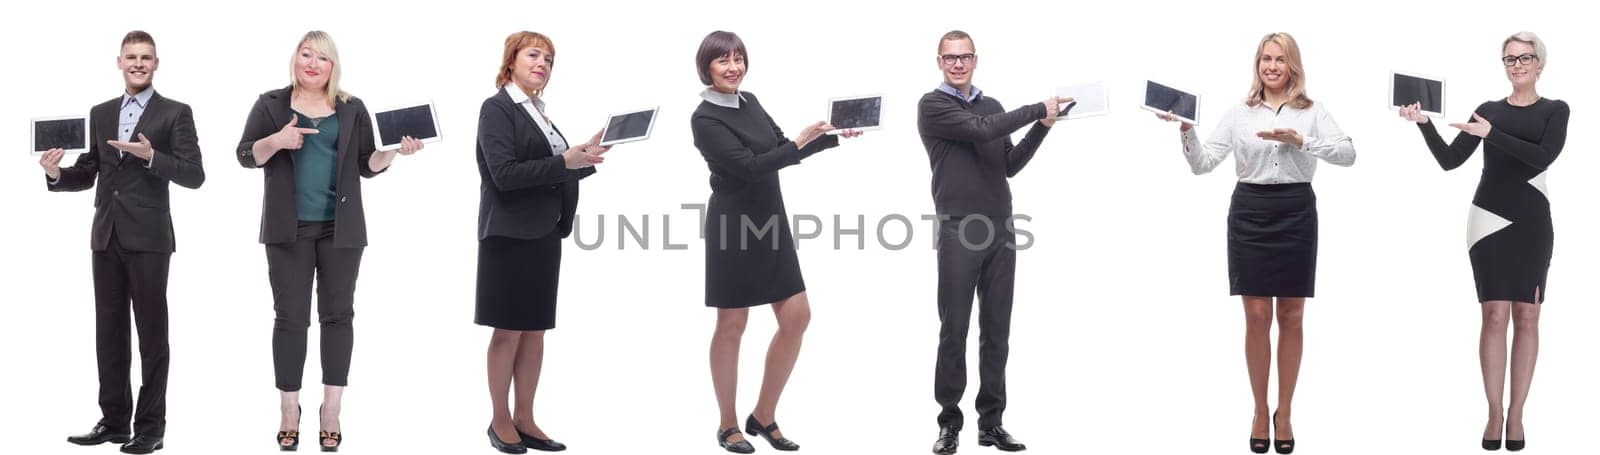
{"points": [[314, 168]]}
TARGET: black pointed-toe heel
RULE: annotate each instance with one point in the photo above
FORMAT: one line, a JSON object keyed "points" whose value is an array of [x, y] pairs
{"points": [[293, 435], [505, 447], [735, 447], [755, 428], [1282, 446]]}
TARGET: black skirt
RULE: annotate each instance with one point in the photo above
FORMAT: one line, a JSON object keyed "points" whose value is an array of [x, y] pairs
{"points": [[1272, 240], [517, 280]]}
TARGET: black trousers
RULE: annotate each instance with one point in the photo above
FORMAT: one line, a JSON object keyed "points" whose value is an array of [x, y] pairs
{"points": [[978, 256], [120, 277], [291, 267]]}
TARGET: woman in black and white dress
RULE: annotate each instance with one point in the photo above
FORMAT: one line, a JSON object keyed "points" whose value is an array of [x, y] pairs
{"points": [[750, 251], [1509, 230], [1276, 135]]}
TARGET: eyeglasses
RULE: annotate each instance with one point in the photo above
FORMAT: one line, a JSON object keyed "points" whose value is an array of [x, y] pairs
{"points": [[951, 59], [1525, 59]]}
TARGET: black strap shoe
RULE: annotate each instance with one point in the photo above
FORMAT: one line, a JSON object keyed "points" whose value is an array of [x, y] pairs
{"points": [[949, 438], [754, 427], [505, 447], [142, 444], [99, 435], [1000, 439], [735, 447], [542, 445]]}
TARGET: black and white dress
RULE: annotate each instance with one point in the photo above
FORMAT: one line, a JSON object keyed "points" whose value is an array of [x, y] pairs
{"points": [[1509, 234], [1272, 220], [750, 251]]}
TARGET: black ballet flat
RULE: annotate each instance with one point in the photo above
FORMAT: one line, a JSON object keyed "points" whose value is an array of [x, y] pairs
{"points": [[754, 427], [505, 447], [735, 447], [1516, 444], [1491, 444], [292, 436], [542, 445]]}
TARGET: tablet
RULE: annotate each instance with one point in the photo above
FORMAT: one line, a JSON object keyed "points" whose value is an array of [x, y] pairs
{"points": [[70, 134], [861, 113], [1161, 98], [1408, 88], [628, 127], [1088, 100], [416, 120]]}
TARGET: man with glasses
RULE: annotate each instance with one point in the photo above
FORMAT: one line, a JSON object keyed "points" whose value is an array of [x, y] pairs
{"points": [[968, 138], [140, 141]]}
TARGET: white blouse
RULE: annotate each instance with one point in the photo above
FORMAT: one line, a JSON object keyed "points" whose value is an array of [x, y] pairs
{"points": [[535, 108], [1262, 161]]}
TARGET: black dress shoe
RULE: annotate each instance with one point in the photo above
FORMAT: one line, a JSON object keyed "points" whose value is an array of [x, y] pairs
{"points": [[142, 444], [754, 427], [505, 447], [949, 438], [542, 445], [1516, 444], [1491, 444], [99, 435], [1000, 439], [1282, 446], [735, 447]]}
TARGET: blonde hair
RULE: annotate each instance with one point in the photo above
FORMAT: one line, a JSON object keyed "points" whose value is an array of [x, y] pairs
{"points": [[1297, 72], [515, 43], [1528, 38], [319, 42]]}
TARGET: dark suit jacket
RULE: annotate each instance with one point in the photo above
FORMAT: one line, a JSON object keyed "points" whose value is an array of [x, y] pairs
{"points": [[352, 155], [131, 199], [526, 193]]}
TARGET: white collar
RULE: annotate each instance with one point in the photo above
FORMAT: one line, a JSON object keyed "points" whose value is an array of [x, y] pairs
{"points": [[518, 97], [729, 101]]}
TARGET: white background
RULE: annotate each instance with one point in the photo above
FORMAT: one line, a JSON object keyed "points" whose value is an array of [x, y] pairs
{"points": [[1124, 336]]}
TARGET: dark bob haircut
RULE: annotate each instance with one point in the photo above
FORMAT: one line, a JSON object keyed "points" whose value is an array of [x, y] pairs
{"points": [[718, 44]]}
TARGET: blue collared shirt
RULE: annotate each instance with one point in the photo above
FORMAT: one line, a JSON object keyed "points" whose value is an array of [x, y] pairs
{"points": [[947, 89]]}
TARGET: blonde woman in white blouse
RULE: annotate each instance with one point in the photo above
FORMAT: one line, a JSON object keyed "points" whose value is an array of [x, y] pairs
{"points": [[1276, 135]]}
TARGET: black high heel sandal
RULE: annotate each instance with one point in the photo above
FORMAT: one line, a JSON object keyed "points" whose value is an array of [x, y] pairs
{"points": [[1282, 446], [754, 427], [1258, 445], [326, 435], [293, 435]]}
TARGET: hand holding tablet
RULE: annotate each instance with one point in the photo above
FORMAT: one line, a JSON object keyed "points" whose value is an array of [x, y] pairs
{"points": [[69, 134], [628, 126], [1172, 104], [855, 114], [1409, 89], [416, 121]]}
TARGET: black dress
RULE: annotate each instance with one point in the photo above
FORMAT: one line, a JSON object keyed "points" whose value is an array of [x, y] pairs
{"points": [[1509, 232], [750, 255]]}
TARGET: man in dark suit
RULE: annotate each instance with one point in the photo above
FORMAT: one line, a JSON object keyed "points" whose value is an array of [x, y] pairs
{"points": [[139, 142]]}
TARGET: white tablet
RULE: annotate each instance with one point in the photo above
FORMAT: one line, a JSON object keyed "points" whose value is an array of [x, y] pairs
{"points": [[1406, 89], [1088, 100], [861, 113], [70, 133], [1162, 98], [628, 127], [418, 120]]}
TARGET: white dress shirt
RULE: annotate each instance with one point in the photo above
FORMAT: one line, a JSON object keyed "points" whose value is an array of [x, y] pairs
{"points": [[535, 108], [1262, 161], [730, 101]]}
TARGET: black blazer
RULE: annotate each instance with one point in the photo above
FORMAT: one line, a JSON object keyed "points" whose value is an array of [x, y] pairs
{"points": [[352, 155], [526, 193], [131, 199]]}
